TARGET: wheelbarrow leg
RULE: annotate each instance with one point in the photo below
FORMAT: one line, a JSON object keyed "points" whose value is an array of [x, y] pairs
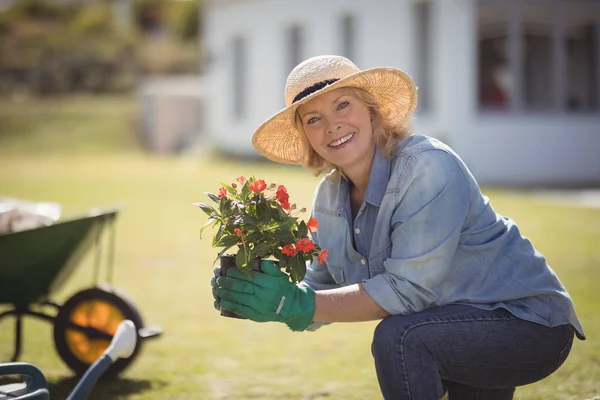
{"points": [[18, 331], [18, 335]]}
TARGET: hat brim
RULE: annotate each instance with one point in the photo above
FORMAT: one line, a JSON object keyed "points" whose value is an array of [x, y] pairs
{"points": [[278, 139]]}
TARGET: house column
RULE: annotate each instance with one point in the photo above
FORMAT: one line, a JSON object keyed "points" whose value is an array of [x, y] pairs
{"points": [[454, 65]]}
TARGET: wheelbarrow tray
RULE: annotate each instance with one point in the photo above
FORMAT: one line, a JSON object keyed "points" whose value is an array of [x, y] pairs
{"points": [[35, 262]]}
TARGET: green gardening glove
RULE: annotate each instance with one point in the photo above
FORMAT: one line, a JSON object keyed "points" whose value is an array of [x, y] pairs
{"points": [[213, 284], [267, 296]]}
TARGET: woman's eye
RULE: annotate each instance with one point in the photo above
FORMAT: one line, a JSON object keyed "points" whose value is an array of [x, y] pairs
{"points": [[343, 104], [312, 120]]}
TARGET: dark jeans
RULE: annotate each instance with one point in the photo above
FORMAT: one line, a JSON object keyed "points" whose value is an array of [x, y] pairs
{"points": [[471, 353]]}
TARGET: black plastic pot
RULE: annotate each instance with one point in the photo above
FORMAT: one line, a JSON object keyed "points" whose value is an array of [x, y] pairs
{"points": [[228, 261]]}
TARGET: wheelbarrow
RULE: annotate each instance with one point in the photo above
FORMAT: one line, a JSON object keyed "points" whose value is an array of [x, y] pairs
{"points": [[34, 263], [34, 385]]}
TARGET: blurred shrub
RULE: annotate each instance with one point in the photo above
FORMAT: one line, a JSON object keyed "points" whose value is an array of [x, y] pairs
{"points": [[179, 18], [149, 15], [184, 19], [38, 9], [47, 48], [95, 19]]}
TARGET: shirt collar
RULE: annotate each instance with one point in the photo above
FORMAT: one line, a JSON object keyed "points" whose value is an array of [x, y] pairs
{"points": [[378, 181]]}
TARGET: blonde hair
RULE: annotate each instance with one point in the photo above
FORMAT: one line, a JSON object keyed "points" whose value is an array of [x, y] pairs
{"points": [[386, 131]]}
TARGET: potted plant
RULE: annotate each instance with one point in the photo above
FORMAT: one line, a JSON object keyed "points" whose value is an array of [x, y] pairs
{"points": [[258, 221]]}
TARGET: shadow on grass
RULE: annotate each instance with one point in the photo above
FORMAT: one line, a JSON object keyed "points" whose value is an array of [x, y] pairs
{"points": [[105, 388]]}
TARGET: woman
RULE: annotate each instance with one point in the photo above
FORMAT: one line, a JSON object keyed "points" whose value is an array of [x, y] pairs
{"points": [[467, 304]]}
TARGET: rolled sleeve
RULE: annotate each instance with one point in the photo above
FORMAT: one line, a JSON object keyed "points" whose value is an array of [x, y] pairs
{"points": [[426, 227]]}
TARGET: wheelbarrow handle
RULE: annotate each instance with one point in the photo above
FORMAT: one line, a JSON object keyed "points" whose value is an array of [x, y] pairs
{"points": [[35, 381]]}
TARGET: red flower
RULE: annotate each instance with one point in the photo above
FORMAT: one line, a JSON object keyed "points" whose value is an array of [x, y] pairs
{"points": [[222, 192], [241, 179], [237, 231], [306, 245], [312, 224], [288, 250], [282, 194], [283, 197], [233, 185], [323, 256], [258, 186]]}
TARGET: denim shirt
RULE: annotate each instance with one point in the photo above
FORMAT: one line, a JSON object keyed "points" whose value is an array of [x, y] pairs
{"points": [[425, 236]]}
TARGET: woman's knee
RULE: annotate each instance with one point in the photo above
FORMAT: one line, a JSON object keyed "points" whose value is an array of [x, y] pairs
{"points": [[383, 337], [390, 334]]}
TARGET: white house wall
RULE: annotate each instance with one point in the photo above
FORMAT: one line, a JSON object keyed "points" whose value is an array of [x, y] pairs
{"points": [[500, 148], [532, 150], [503, 148], [382, 37]]}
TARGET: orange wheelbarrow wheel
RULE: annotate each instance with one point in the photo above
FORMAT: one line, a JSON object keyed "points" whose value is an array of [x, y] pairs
{"points": [[85, 325]]}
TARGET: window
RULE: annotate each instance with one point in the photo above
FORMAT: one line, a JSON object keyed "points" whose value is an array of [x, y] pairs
{"points": [[494, 73], [539, 55], [539, 65], [239, 80], [295, 50], [581, 64], [422, 13], [348, 37]]}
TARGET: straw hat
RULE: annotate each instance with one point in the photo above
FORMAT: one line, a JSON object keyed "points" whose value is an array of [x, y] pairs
{"points": [[278, 139]]}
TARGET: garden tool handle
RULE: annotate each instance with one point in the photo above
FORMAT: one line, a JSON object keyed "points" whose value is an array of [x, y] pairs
{"points": [[124, 341], [36, 386], [121, 346], [91, 376]]}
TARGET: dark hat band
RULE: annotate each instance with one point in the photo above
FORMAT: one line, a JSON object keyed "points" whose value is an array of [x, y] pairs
{"points": [[313, 88]]}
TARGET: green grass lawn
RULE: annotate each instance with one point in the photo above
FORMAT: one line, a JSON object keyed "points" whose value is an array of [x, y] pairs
{"points": [[82, 153]]}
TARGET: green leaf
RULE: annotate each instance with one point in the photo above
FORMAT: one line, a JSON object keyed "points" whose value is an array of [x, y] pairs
{"points": [[284, 235], [208, 223], [288, 223], [213, 197], [225, 204], [220, 254], [282, 213], [245, 192], [253, 236], [218, 235], [206, 208], [273, 215], [302, 229], [297, 268], [230, 189], [283, 260], [228, 241], [250, 220], [241, 258], [259, 251]]}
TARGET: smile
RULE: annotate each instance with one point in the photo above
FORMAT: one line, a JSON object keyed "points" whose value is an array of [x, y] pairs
{"points": [[341, 140]]}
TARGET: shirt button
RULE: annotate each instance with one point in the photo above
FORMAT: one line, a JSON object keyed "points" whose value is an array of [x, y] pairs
{"points": [[357, 231], [363, 261]]}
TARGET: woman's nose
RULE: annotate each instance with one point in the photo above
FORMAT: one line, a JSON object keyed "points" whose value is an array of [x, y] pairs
{"points": [[333, 126]]}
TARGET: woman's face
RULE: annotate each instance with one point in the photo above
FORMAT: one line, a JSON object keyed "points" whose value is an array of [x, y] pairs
{"points": [[338, 127]]}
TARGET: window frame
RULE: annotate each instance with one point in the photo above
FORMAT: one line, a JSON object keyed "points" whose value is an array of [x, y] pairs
{"points": [[516, 59]]}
